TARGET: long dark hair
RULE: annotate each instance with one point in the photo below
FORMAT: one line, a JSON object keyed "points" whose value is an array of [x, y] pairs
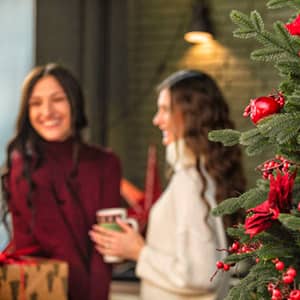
{"points": [[204, 109], [26, 140]]}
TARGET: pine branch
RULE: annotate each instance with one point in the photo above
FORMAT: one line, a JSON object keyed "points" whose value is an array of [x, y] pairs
{"points": [[267, 54], [291, 150], [294, 99], [280, 127], [244, 33], [274, 250], [237, 232], [276, 45], [284, 36], [250, 137], [289, 67], [290, 221], [257, 21], [249, 199], [257, 279], [227, 207], [228, 137], [242, 20], [253, 197], [258, 146], [274, 4], [269, 39], [235, 258], [288, 85]]}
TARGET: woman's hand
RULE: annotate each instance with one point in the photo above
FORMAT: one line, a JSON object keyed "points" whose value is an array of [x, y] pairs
{"points": [[126, 244]]}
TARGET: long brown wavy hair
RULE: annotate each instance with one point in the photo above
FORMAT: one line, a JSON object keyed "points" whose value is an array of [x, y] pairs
{"points": [[26, 140], [204, 109]]}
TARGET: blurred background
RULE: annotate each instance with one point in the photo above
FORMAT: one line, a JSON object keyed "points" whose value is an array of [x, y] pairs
{"points": [[120, 50]]}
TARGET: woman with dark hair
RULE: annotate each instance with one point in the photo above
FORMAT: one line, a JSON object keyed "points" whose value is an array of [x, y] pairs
{"points": [[180, 253], [55, 183]]}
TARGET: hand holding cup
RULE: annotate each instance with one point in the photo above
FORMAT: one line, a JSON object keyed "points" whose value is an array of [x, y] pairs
{"points": [[112, 233]]}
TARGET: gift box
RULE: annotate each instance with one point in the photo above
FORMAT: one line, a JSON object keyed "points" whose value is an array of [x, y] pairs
{"points": [[32, 278]]}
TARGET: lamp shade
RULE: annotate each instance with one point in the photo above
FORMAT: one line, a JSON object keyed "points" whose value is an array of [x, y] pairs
{"points": [[200, 29]]}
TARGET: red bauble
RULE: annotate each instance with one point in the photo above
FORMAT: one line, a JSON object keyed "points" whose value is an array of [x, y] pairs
{"points": [[219, 264], [276, 293], [291, 272], [279, 266], [288, 279], [295, 295], [262, 107]]}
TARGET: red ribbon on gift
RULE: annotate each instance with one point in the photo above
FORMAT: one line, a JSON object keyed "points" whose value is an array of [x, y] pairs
{"points": [[11, 256]]}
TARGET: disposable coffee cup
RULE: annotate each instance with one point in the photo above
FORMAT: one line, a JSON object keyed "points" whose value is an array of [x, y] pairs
{"points": [[106, 218]]}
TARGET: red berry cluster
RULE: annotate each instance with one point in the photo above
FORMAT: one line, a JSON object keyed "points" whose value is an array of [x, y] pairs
{"points": [[222, 266], [237, 248], [294, 295], [281, 290], [279, 163]]}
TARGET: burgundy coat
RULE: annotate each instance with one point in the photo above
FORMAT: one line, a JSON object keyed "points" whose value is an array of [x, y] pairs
{"points": [[63, 208]]}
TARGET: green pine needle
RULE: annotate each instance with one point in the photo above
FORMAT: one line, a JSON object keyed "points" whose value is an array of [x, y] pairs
{"points": [[249, 136], [244, 33], [289, 67], [257, 21], [274, 4], [280, 127], [267, 54], [249, 199], [290, 221], [284, 36], [228, 137], [241, 19]]}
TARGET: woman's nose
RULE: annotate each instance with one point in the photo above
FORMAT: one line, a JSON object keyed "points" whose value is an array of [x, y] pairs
{"points": [[155, 119], [47, 108]]}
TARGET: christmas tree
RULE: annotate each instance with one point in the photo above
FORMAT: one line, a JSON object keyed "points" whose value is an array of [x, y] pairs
{"points": [[269, 239]]}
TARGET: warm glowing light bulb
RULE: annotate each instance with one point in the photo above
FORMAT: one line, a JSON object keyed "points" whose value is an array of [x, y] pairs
{"points": [[198, 37]]}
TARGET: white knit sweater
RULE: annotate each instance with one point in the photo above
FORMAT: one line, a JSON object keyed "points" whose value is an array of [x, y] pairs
{"points": [[181, 249]]}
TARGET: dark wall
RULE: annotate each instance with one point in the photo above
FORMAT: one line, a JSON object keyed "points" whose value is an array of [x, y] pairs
{"points": [[89, 37]]}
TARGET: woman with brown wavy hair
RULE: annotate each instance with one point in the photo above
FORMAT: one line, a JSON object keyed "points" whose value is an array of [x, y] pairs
{"points": [[55, 182], [178, 257]]}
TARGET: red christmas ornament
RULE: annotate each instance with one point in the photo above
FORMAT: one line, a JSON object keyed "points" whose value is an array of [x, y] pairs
{"points": [[295, 295], [279, 266], [276, 293], [288, 279], [219, 264], [264, 106], [291, 272]]}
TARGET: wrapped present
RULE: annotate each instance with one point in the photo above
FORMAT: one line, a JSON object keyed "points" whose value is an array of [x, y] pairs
{"points": [[30, 278]]}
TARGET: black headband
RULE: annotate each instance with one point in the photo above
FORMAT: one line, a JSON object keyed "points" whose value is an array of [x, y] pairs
{"points": [[179, 76]]}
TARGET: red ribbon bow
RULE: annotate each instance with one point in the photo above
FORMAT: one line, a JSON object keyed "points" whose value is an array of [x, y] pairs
{"points": [[8, 255]]}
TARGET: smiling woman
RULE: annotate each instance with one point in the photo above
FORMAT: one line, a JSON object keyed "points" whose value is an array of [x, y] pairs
{"points": [[168, 119], [55, 182], [50, 110], [189, 105]]}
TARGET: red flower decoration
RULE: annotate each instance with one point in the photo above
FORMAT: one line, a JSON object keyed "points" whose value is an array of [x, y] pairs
{"points": [[261, 218], [279, 200], [294, 27], [280, 194]]}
